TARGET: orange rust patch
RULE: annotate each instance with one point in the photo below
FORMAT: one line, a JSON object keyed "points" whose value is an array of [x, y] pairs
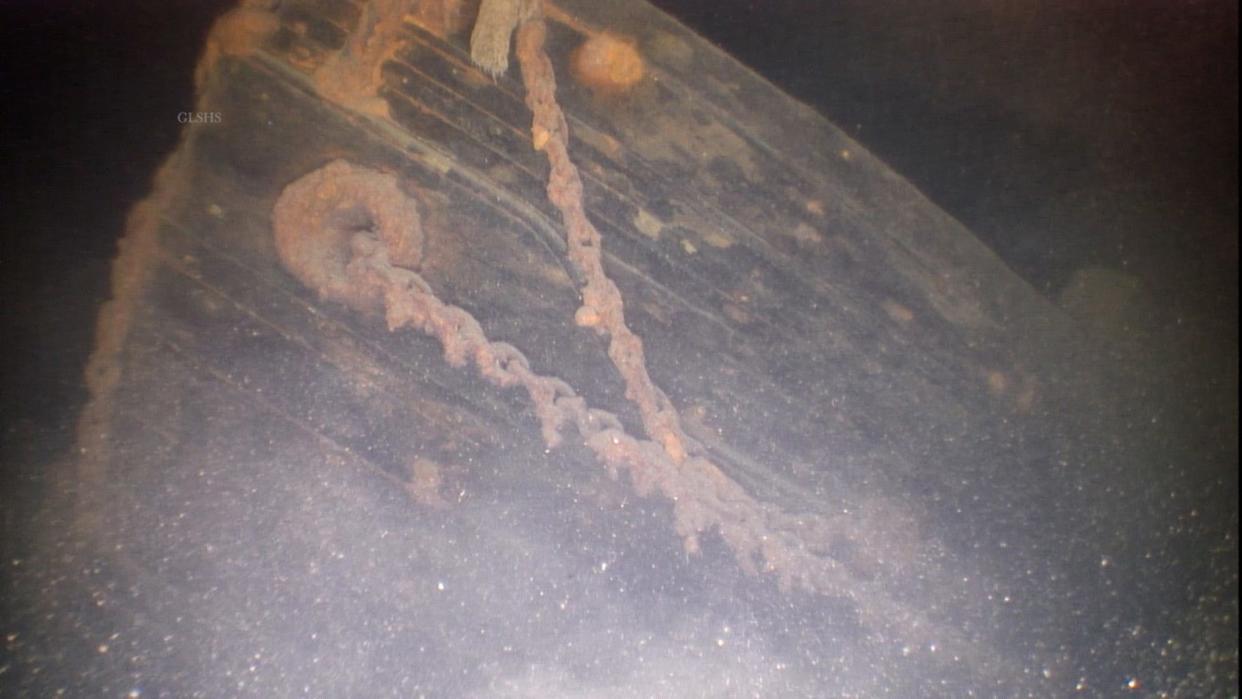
{"points": [[539, 137], [806, 235], [898, 312], [239, 32], [736, 313], [997, 382], [1020, 387], [607, 64], [442, 18], [425, 484], [587, 317], [352, 76]]}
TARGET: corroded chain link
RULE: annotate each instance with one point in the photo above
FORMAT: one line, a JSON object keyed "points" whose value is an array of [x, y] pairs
{"points": [[409, 301], [369, 264], [602, 305], [703, 497]]}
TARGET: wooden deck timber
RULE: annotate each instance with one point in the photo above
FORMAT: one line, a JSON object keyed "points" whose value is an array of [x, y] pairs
{"points": [[324, 503]]}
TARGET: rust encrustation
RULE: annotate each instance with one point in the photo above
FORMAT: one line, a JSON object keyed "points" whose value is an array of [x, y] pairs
{"points": [[601, 298], [317, 216], [441, 18], [351, 234], [342, 230], [239, 32], [352, 76], [608, 64]]}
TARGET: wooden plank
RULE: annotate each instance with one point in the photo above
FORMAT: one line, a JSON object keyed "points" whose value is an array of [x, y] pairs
{"points": [[330, 507]]}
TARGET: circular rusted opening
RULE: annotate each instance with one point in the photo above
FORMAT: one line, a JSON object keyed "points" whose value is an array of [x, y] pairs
{"points": [[317, 216], [353, 219]]}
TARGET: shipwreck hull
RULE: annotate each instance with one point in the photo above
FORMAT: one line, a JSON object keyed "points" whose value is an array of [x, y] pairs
{"points": [[276, 494]]}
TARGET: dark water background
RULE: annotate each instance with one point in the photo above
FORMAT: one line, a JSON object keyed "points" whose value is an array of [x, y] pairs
{"points": [[1093, 146]]}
